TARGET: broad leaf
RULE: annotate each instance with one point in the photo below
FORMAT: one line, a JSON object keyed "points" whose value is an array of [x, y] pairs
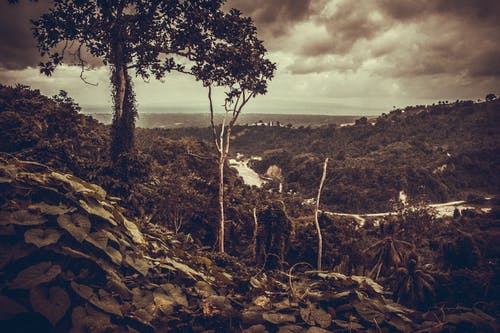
{"points": [[139, 264], [89, 319], [76, 224], [21, 217], [133, 231], [114, 255], [256, 329], [51, 303], [95, 208], [116, 285], [313, 315], [82, 290], [317, 330], [80, 186], [10, 253], [369, 312], [176, 293], [278, 318], [99, 239], [34, 275], [103, 300], [347, 325], [144, 304], [41, 237], [164, 302], [45, 208], [291, 329]]}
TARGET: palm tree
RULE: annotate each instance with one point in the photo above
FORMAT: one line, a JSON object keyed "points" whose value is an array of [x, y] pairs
{"points": [[413, 285], [386, 255]]}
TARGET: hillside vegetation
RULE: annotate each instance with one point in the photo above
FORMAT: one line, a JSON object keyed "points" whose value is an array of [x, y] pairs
{"points": [[87, 247], [434, 154]]}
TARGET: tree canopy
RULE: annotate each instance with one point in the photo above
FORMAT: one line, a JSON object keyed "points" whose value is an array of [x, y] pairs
{"points": [[153, 38]]}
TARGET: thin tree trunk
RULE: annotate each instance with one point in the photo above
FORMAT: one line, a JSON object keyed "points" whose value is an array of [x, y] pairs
{"points": [[316, 220], [255, 231], [221, 203], [222, 144], [219, 144]]}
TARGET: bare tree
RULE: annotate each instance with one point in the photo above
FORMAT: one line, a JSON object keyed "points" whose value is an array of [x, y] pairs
{"points": [[238, 64], [255, 232], [221, 137], [316, 212]]}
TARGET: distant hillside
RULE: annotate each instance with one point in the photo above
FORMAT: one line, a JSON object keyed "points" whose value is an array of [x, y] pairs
{"points": [[433, 153], [202, 120]]}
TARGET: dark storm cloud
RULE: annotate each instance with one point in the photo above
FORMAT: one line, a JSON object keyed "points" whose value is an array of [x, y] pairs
{"points": [[469, 10], [275, 17], [455, 37], [18, 49], [388, 49], [487, 64], [348, 24], [450, 47]]}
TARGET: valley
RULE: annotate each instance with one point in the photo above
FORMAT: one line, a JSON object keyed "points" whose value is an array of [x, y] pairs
{"points": [[133, 244]]}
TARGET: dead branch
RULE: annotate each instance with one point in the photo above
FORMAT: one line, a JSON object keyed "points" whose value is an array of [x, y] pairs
{"points": [[82, 63], [316, 220], [255, 231]]}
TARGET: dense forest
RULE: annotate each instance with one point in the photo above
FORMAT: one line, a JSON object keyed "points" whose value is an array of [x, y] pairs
{"points": [[435, 153], [62, 197]]}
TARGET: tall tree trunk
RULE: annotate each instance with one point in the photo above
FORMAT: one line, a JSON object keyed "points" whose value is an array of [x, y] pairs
{"points": [[122, 129], [255, 232], [316, 220], [221, 202], [121, 86], [222, 141]]}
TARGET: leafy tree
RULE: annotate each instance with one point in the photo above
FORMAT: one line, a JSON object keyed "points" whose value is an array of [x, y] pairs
{"points": [[234, 58], [387, 256], [413, 285], [144, 36]]}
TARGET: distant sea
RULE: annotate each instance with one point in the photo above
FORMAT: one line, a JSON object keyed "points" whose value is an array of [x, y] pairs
{"points": [[180, 120]]}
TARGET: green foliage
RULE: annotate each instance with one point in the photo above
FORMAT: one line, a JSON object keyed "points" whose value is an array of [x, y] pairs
{"points": [[433, 153], [51, 131], [413, 285], [172, 180], [273, 237], [221, 48]]}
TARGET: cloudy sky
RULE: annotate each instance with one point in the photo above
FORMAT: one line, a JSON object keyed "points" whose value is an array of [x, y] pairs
{"points": [[333, 57]]}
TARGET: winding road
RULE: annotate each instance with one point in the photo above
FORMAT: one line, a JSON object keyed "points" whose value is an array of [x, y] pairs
{"points": [[252, 178]]}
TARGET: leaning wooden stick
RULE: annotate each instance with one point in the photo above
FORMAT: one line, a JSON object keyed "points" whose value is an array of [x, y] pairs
{"points": [[318, 228]]}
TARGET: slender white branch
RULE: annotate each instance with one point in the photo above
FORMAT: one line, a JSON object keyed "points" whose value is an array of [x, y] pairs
{"points": [[316, 220]]}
